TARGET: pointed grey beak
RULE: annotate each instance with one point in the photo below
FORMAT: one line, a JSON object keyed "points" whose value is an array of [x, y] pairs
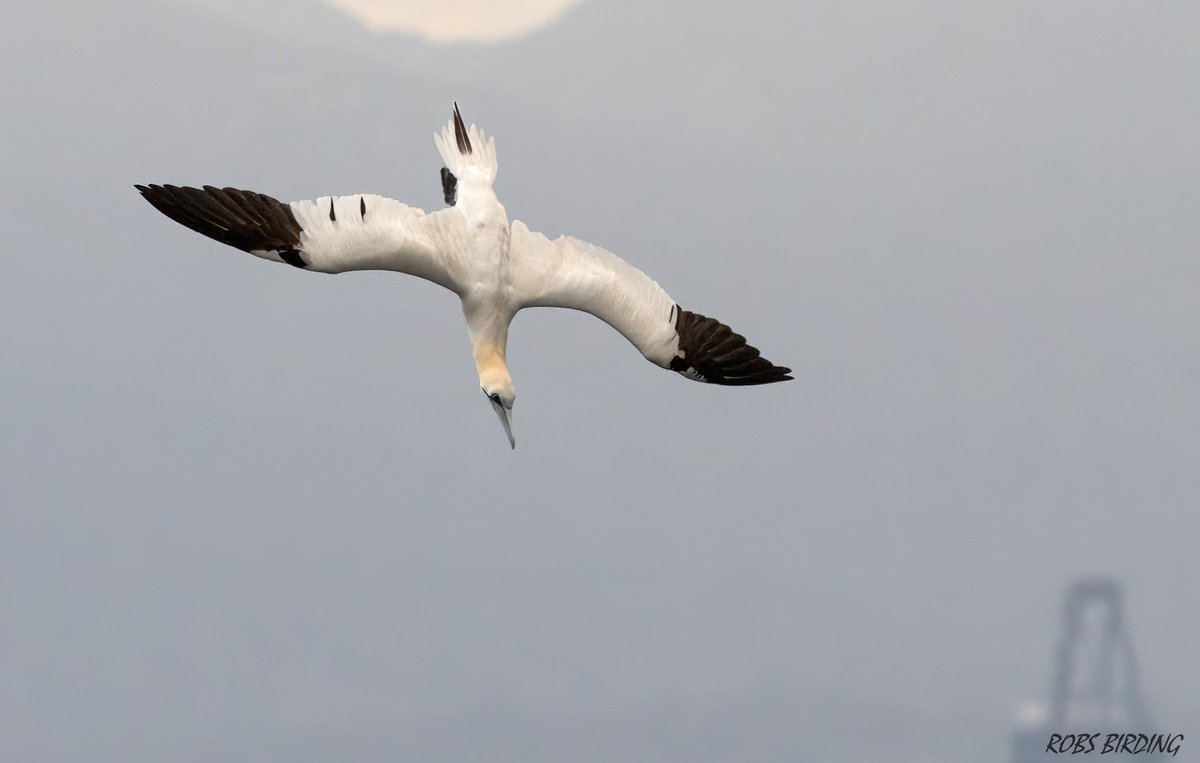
{"points": [[505, 415]]}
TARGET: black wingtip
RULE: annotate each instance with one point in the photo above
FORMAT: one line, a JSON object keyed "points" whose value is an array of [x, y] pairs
{"points": [[243, 219], [460, 132], [449, 186], [711, 352]]}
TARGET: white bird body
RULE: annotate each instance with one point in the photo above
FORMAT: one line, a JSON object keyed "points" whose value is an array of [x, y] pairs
{"points": [[495, 268]]}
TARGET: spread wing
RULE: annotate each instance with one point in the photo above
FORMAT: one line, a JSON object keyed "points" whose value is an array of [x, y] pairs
{"points": [[332, 234], [574, 274]]}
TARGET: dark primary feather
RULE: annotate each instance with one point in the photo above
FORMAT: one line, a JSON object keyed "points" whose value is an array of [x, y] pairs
{"points": [[460, 132], [243, 219], [711, 350], [449, 186]]}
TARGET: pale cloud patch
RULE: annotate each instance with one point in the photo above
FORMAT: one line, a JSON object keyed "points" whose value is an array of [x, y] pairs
{"points": [[456, 20]]}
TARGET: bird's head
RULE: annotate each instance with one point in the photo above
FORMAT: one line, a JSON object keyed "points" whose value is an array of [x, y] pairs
{"points": [[498, 387]]}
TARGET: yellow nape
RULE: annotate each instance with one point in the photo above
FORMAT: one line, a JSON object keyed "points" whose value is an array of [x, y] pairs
{"points": [[493, 370]]}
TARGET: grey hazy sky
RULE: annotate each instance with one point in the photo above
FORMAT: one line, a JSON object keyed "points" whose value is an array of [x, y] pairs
{"points": [[249, 513]]}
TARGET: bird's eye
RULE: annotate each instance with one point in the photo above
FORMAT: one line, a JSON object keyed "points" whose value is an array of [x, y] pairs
{"points": [[496, 399]]}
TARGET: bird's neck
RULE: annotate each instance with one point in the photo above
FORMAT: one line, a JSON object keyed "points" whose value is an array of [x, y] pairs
{"points": [[493, 371], [489, 338], [487, 321]]}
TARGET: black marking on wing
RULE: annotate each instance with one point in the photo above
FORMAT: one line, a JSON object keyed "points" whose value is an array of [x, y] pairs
{"points": [[332, 216], [709, 351], [293, 258], [460, 132], [243, 219], [362, 208], [449, 186]]}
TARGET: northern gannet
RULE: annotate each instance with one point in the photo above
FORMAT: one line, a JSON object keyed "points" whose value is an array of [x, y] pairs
{"points": [[471, 249]]}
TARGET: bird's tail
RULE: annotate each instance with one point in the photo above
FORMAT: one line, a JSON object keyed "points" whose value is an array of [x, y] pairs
{"points": [[466, 151]]}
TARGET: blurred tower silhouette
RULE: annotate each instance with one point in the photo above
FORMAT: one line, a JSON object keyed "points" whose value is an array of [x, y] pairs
{"points": [[1095, 687]]}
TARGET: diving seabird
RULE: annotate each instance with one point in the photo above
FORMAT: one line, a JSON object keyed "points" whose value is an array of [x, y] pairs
{"points": [[471, 249]]}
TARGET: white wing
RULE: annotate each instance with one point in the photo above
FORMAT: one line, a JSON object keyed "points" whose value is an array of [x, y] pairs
{"points": [[574, 274], [332, 234]]}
